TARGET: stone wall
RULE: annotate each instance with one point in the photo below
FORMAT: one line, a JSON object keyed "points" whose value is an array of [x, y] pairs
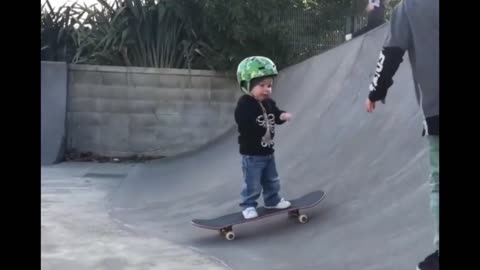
{"points": [[120, 111]]}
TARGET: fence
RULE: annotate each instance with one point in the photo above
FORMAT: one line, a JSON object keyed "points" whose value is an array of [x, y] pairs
{"points": [[311, 32]]}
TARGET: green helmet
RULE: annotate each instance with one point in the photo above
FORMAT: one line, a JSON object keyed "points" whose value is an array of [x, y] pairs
{"points": [[254, 67]]}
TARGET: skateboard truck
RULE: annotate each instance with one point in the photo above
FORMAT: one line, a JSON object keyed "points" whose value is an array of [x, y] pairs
{"points": [[228, 233], [302, 218]]}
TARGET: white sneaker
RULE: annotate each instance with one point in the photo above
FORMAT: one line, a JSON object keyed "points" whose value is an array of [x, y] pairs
{"points": [[282, 204], [348, 37], [249, 213]]}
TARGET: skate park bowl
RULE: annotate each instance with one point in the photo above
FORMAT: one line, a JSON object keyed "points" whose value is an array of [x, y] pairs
{"points": [[372, 166]]}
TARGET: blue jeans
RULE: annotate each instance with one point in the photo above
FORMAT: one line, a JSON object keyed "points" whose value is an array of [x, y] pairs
{"points": [[260, 172]]}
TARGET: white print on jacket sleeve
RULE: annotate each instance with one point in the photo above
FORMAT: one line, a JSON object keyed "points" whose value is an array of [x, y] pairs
{"points": [[373, 85]]}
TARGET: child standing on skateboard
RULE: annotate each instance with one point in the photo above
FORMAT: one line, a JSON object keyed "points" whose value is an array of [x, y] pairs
{"points": [[256, 115]]}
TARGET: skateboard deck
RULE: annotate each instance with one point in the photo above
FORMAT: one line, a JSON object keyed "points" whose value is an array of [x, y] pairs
{"points": [[225, 223]]}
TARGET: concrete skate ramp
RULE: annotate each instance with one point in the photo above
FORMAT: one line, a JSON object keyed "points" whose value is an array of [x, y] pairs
{"points": [[373, 167]]}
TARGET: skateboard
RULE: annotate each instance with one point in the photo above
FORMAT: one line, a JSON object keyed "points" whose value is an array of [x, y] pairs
{"points": [[225, 223]]}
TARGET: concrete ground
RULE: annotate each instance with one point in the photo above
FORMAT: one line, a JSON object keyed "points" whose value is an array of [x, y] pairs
{"points": [[78, 233]]}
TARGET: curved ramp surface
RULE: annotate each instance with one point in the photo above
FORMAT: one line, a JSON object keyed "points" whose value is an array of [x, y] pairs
{"points": [[373, 167]]}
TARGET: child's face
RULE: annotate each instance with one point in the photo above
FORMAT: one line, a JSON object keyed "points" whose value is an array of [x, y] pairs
{"points": [[263, 90]]}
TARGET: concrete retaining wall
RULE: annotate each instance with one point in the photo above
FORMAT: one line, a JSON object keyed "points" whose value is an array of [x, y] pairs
{"points": [[53, 111], [120, 111]]}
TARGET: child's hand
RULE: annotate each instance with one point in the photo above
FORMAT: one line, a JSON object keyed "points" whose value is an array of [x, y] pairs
{"points": [[285, 116]]}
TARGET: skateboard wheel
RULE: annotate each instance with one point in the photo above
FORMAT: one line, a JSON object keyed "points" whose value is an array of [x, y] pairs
{"points": [[294, 213], [303, 218], [230, 235]]}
